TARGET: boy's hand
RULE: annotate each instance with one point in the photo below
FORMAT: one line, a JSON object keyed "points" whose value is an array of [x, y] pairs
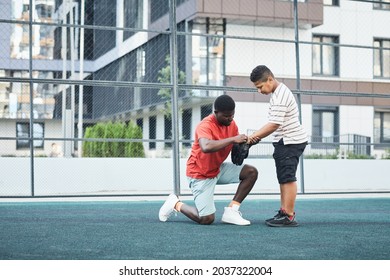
{"points": [[252, 140]]}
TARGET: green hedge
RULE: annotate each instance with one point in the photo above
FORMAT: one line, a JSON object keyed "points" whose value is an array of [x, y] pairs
{"points": [[116, 130]]}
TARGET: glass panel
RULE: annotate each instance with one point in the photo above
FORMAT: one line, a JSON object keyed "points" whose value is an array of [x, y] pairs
{"points": [[316, 49], [38, 132], [386, 59], [386, 127], [377, 127], [329, 56], [22, 130], [316, 131], [132, 16], [377, 59], [331, 2], [328, 126], [386, 6], [207, 55], [199, 51]]}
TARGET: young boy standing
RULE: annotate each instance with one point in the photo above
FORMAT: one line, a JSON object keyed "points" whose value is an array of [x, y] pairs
{"points": [[290, 140]]}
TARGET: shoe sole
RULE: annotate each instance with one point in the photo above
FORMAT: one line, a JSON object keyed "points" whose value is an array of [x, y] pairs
{"points": [[227, 222], [162, 219], [282, 225]]}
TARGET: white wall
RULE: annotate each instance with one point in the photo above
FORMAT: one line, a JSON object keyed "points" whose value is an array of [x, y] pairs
{"points": [[357, 120], [86, 176], [243, 56], [250, 115]]}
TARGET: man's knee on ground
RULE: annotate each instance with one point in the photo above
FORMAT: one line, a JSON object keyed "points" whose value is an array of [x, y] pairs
{"points": [[207, 220]]}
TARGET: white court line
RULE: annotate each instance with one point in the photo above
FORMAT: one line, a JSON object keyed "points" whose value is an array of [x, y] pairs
{"points": [[186, 197]]}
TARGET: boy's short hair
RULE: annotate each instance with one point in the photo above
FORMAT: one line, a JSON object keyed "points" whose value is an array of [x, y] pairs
{"points": [[224, 103], [260, 73]]}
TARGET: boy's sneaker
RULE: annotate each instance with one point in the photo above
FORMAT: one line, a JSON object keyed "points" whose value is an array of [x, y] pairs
{"points": [[282, 220], [278, 215], [231, 216], [168, 208]]}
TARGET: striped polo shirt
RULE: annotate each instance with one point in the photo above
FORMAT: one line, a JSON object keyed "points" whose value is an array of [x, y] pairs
{"points": [[284, 111]]}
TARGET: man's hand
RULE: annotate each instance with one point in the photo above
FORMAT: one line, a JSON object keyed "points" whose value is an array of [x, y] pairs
{"points": [[210, 146], [241, 138]]}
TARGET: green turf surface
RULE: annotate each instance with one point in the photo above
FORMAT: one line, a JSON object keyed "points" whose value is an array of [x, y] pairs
{"points": [[330, 229]]}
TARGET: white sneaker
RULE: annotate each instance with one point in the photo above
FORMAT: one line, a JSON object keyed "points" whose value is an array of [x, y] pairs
{"points": [[231, 216], [168, 208]]}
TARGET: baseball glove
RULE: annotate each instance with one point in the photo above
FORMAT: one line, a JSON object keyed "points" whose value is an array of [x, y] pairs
{"points": [[239, 153]]}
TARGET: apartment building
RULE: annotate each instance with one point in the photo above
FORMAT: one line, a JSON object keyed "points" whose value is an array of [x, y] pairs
{"points": [[344, 48]]}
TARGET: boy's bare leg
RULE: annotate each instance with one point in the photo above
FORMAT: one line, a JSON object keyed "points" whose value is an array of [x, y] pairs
{"points": [[288, 194]]}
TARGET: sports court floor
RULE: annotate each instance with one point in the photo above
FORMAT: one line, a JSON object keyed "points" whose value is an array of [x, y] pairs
{"points": [[332, 228]]}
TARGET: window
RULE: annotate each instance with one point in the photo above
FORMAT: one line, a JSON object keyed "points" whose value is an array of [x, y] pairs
{"points": [[160, 8], [186, 126], [381, 58], [325, 55], [325, 126], [140, 64], [208, 57], [104, 15], [168, 131], [152, 131], [140, 123], [132, 16], [380, 5], [331, 2], [382, 127], [23, 131]]}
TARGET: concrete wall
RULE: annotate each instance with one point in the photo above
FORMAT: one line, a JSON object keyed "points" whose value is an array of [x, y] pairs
{"points": [[85, 176]]}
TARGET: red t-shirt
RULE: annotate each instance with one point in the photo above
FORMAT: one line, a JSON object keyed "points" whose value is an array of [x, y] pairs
{"points": [[202, 165]]}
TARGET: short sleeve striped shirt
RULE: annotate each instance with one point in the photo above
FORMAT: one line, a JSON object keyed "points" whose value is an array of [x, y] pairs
{"points": [[284, 111]]}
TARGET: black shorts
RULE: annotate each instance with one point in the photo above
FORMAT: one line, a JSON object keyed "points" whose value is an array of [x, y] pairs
{"points": [[286, 160]]}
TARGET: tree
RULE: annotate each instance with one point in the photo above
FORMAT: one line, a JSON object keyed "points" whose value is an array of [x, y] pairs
{"points": [[116, 130], [164, 76]]}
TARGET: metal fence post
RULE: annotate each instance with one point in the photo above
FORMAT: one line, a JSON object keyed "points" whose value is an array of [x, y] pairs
{"points": [[31, 92], [174, 96], [298, 83]]}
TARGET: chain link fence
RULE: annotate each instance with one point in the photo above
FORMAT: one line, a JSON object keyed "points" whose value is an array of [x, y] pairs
{"points": [[103, 97]]}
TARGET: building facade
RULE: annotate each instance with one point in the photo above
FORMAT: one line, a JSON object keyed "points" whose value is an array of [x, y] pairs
{"points": [[344, 49]]}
